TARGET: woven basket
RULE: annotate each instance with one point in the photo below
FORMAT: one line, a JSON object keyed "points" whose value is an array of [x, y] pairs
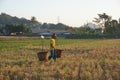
{"points": [[43, 56], [58, 53]]}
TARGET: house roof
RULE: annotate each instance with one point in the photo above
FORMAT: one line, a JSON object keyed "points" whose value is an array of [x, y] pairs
{"points": [[48, 30]]}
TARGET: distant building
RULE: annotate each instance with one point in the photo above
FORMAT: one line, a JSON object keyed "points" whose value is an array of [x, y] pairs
{"points": [[48, 32]]}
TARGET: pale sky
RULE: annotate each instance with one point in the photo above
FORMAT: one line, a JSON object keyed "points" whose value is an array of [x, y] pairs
{"points": [[71, 12]]}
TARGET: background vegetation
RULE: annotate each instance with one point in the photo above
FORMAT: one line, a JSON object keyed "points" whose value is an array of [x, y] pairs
{"points": [[103, 25]]}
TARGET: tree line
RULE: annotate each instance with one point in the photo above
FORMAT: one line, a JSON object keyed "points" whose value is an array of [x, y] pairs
{"points": [[105, 25], [9, 24]]}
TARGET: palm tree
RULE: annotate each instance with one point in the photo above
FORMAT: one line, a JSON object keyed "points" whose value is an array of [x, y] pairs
{"points": [[33, 19]]}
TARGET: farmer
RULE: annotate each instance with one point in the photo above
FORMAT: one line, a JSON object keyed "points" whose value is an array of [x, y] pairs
{"points": [[52, 47]]}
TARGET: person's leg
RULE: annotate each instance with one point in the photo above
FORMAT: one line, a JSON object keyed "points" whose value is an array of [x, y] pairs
{"points": [[54, 57], [51, 54]]}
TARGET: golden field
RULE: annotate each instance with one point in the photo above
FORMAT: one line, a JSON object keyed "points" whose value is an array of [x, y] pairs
{"points": [[82, 59]]}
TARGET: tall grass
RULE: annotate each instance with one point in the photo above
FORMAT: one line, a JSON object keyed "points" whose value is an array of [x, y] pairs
{"points": [[82, 59]]}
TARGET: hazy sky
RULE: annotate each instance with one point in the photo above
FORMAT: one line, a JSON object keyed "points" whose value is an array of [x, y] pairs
{"points": [[70, 12]]}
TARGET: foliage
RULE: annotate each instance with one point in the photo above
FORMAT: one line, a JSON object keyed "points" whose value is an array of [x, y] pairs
{"points": [[101, 20], [33, 20], [112, 27], [16, 29], [84, 30], [6, 19], [58, 26], [107, 25], [104, 21]]}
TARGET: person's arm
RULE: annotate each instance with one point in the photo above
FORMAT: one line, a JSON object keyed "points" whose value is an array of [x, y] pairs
{"points": [[52, 46]]}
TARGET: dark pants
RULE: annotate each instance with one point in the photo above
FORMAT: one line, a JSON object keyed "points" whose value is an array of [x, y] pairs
{"points": [[52, 55]]}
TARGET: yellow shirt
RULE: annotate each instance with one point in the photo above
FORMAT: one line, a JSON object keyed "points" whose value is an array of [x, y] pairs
{"points": [[52, 44]]}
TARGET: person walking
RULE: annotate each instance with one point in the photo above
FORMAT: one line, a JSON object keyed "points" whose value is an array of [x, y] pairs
{"points": [[53, 47]]}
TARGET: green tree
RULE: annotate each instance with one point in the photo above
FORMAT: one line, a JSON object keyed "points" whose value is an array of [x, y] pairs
{"points": [[16, 29], [44, 26], [119, 21], [1, 29], [84, 30], [101, 21], [33, 20], [112, 27]]}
